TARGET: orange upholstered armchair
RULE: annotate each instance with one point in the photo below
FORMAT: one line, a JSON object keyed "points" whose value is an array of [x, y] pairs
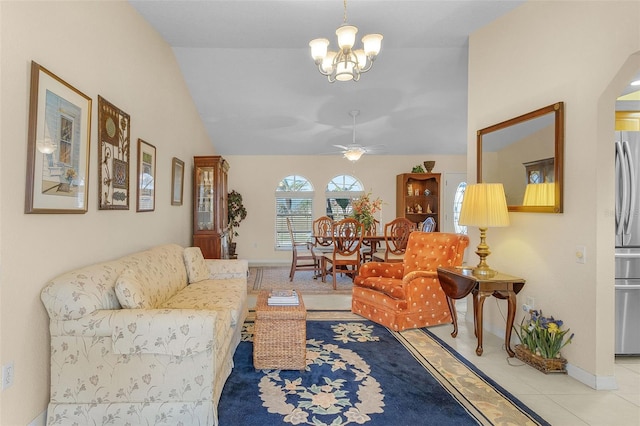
{"points": [[408, 294]]}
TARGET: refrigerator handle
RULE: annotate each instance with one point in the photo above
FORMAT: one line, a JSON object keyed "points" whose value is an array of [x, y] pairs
{"points": [[631, 189], [620, 194]]}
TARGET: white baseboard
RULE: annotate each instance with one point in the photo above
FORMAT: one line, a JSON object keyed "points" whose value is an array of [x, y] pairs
{"points": [[41, 420]]}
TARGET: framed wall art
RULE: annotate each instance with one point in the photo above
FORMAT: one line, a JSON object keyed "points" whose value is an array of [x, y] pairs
{"points": [[177, 181], [114, 126], [58, 145], [146, 177]]}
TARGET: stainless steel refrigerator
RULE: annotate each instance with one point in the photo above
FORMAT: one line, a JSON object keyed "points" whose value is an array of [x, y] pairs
{"points": [[627, 210]]}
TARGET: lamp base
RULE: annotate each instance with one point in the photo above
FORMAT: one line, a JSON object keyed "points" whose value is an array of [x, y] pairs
{"points": [[483, 270]]}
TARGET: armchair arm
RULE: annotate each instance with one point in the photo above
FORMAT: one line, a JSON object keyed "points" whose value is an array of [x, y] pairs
{"points": [[220, 269], [418, 274], [381, 269], [177, 332]]}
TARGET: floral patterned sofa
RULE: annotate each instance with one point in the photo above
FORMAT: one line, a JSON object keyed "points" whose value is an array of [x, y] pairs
{"points": [[408, 294], [145, 339]]}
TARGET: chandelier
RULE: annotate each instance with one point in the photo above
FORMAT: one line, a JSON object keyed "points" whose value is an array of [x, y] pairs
{"points": [[345, 64]]}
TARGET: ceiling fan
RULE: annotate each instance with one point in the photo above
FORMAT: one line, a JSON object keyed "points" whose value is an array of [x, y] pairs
{"points": [[354, 151]]}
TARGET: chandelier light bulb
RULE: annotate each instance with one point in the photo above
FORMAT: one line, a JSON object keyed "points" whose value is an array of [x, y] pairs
{"points": [[346, 37], [372, 44], [319, 48]]}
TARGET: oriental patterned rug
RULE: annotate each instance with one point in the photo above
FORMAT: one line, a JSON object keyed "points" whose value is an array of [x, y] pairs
{"points": [[358, 372], [277, 277]]}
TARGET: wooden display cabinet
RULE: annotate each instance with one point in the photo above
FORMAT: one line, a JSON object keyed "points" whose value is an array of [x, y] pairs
{"points": [[424, 199], [210, 206]]}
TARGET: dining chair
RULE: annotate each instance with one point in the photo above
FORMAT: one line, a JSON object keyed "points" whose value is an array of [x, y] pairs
{"points": [[347, 239], [303, 258], [322, 228], [396, 235], [369, 247], [428, 225]]}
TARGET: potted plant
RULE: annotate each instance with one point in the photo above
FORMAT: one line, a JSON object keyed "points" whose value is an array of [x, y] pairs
{"points": [[542, 339], [236, 213]]}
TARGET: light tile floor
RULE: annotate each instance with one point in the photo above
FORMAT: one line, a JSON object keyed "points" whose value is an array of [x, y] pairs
{"points": [[558, 398]]}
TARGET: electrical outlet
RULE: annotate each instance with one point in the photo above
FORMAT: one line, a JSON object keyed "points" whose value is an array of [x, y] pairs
{"points": [[531, 302], [7, 375], [581, 254]]}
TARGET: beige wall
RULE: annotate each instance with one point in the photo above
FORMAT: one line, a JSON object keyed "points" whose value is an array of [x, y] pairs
{"points": [[579, 53], [101, 48], [256, 178]]}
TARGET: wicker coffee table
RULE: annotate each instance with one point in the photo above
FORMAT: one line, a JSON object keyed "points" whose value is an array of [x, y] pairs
{"points": [[280, 335]]}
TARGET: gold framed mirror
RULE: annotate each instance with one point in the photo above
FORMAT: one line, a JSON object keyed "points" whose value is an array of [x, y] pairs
{"points": [[526, 155]]}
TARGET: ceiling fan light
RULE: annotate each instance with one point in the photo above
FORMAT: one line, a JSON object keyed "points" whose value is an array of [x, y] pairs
{"points": [[372, 44], [319, 48], [346, 36], [353, 154]]}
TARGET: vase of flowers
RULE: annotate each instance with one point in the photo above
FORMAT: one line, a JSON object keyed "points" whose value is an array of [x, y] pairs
{"points": [[541, 339], [364, 208]]}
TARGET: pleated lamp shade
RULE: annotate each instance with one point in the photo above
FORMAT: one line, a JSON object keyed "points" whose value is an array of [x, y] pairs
{"points": [[484, 205], [540, 194]]}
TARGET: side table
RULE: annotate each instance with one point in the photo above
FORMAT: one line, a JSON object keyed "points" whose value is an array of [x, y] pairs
{"points": [[280, 335], [458, 282]]}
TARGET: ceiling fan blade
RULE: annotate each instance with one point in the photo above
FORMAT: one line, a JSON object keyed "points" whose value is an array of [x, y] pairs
{"points": [[342, 147]]}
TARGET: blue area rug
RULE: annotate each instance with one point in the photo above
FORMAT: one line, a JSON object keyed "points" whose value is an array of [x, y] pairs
{"points": [[359, 372]]}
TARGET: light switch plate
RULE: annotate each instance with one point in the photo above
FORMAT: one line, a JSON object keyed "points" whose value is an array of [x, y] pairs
{"points": [[581, 254]]}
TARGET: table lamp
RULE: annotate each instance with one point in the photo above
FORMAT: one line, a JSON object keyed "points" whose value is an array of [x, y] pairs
{"points": [[540, 194], [485, 206]]}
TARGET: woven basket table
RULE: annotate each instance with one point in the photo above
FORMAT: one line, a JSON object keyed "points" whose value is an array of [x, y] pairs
{"points": [[280, 335]]}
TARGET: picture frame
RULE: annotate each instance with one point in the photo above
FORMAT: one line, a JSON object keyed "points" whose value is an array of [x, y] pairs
{"points": [[177, 181], [58, 145], [146, 201], [114, 146]]}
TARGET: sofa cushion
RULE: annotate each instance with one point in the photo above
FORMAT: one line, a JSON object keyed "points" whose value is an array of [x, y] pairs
{"points": [[218, 295], [197, 269], [130, 290]]}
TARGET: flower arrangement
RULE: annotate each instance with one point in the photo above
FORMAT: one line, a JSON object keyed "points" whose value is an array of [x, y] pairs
{"points": [[543, 336], [70, 175], [364, 208]]}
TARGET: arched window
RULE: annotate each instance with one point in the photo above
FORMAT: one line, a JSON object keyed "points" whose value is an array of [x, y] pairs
{"points": [[339, 193], [457, 206], [294, 200]]}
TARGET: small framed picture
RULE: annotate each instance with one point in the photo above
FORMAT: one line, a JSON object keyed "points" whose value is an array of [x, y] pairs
{"points": [[146, 177], [177, 179], [58, 145]]}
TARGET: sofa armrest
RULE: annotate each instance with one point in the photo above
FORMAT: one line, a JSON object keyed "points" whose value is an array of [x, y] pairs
{"points": [[220, 269], [177, 332]]}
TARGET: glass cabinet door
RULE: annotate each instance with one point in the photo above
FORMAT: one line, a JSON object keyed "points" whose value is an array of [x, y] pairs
{"points": [[205, 202]]}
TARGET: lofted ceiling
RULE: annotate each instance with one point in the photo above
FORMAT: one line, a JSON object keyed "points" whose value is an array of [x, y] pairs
{"points": [[248, 67]]}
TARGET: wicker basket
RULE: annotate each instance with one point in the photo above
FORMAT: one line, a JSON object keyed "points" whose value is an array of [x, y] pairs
{"points": [[280, 336], [546, 365]]}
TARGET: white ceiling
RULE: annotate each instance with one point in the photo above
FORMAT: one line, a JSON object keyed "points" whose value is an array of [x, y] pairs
{"points": [[248, 67]]}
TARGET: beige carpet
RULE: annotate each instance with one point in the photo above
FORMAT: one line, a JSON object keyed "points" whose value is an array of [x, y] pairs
{"points": [[277, 277]]}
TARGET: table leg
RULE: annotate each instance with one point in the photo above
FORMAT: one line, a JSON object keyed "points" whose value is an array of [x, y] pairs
{"points": [[511, 313], [454, 316], [478, 319], [475, 313]]}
